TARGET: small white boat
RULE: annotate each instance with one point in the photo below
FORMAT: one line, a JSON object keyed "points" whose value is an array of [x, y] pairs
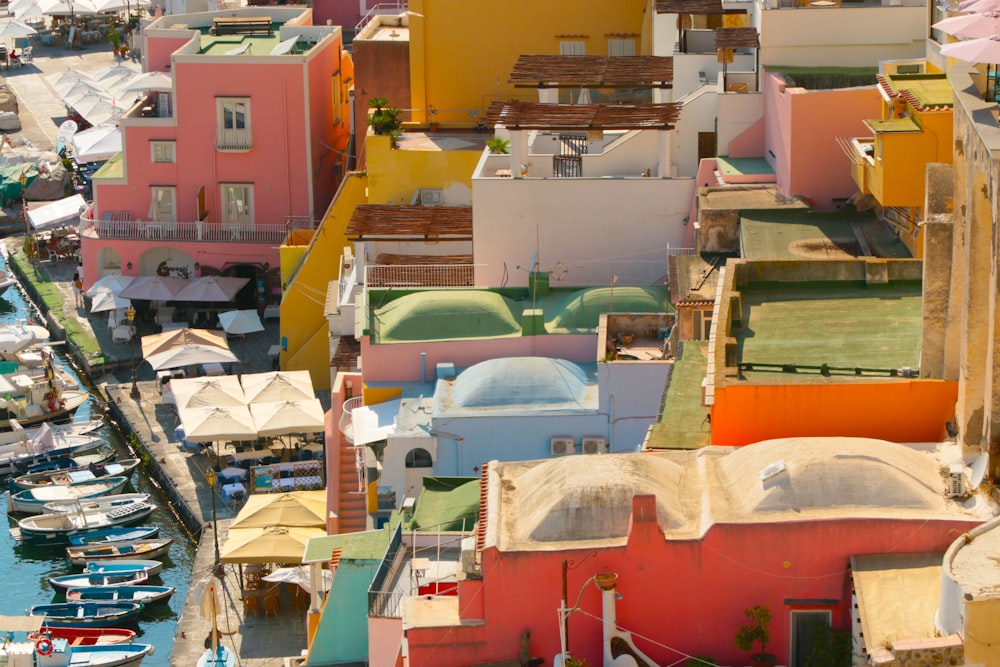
{"points": [[55, 529], [20, 448], [120, 468], [6, 281], [148, 549], [102, 504], [104, 566], [32, 501]]}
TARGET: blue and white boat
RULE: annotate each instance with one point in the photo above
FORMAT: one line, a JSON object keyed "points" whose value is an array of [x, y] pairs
{"points": [[147, 549], [219, 657], [87, 579], [143, 594], [38, 648], [112, 535], [73, 473], [100, 504], [88, 614], [56, 529], [152, 567], [33, 501]]}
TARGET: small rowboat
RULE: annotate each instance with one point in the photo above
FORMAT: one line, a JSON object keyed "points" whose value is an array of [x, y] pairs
{"points": [[111, 535], [87, 579], [148, 549], [33, 501], [56, 529], [85, 636], [152, 567], [122, 468], [145, 595], [88, 614], [101, 504]]}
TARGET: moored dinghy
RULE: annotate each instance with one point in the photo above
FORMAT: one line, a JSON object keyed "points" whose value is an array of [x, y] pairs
{"points": [[85, 636], [87, 579], [148, 549], [101, 504], [112, 535], [143, 594], [88, 614], [121, 468], [33, 501], [152, 567], [44, 650], [56, 529]]}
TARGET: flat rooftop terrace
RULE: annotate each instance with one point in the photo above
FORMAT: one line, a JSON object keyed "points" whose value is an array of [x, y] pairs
{"points": [[839, 324], [798, 234], [257, 45], [682, 423]]}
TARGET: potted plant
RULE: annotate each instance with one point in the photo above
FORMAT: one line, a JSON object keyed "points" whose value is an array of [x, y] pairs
{"points": [[498, 146], [758, 630], [384, 120]]}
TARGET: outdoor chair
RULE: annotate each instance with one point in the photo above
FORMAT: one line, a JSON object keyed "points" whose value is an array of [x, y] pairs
{"points": [[271, 605], [26, 54], [251, 604]]}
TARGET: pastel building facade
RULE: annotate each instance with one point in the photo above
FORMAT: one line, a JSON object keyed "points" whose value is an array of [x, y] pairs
{"points": [[245, 147]]}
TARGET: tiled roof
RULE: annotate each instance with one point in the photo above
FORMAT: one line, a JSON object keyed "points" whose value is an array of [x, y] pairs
{"points": [[689, 7], [736, 38], [537, 116], [371, 221], [603, 71]]}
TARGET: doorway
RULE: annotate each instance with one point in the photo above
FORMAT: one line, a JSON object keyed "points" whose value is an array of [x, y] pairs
{"points": [[804, 628]]}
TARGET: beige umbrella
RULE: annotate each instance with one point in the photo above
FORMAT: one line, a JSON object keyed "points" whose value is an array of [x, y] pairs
{"points": [[219, 391], [161, 342], [189, 355], [271, 544], [217, 423], [278, 386], [295, 508], [155, 288], [212, 288], [287, 417]]}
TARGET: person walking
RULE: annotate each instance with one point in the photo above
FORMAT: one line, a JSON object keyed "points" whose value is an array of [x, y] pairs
{"points": [[78, 289]]}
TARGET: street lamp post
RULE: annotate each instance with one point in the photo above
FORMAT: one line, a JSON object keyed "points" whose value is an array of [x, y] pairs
{"points": [[210, 475], [130, 314]]}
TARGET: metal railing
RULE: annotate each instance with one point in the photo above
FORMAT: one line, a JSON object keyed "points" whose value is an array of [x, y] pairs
{"points": [[134, 230], [235, 139], [380, 8], [385, 603], [420, 275], [346, 420]]}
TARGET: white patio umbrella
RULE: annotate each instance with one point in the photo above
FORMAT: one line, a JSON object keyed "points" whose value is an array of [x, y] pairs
{"points": [[212, 288], [75, 91], [190, 355], [287, 417], [300, 577], [104, 299], [28, 12], [217, 423], [68, 76], [154, 288], [103, 113], [97, 144], [222, 391], [971, 25], [984, 50], [149, 81], [67, 7], [115, 282], [12, 29], [278, 386], [240, 322]]}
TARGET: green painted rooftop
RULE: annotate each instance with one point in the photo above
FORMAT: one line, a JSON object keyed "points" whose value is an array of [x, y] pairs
{"points": [[472, 314], [682, 423], [113, 168], [905, 124], [739, 166], [807, 234], [843, 324], [446, 503], [370, 544], [219, 45], [930, 90]]}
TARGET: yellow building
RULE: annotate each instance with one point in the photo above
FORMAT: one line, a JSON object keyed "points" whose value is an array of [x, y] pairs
{"points": [[422, 166], [461, 52], [915, 129]]}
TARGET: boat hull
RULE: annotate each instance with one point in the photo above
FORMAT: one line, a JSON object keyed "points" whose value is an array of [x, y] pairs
{"points": [[152, 567], [222, 657], [73, 399], [49, 529], [88, 614], [27, 502], [147, 596], [112, 535], [147, 549], [90, 579], [123, 468], [86, 636]]}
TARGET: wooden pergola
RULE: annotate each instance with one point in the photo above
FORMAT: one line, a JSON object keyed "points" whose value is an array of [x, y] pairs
{"points": [[389, 222], [582, 117], [549, 71]]}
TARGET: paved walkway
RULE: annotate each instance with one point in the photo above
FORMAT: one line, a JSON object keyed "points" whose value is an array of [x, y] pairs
{"points": [[258, 641]]}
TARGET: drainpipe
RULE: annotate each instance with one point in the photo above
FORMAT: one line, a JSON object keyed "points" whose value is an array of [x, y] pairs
{"points": [[423, 367]]}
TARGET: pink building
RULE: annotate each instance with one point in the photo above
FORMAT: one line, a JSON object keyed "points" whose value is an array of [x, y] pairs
{"points": [[247, 144], [694, 537]]}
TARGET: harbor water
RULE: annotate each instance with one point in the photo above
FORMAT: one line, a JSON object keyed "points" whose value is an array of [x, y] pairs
{"points": [[25, 570]]}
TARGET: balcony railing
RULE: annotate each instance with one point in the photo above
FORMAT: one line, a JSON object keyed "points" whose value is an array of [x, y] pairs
{"points": [[383, 596], [152, 230], [233, 139]]}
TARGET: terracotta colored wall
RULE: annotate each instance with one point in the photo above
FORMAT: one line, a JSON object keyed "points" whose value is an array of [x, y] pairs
{"points": [[750, 142], [898, 411], [400, 362], [692, 599], [382, 69]]}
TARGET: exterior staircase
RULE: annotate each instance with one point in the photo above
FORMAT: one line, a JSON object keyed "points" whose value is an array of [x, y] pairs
{"points": [[353, 510]]}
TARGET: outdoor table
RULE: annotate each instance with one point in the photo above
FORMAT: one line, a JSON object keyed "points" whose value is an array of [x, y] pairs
{"points": [[233, 474], [213, 369], [235, 490], [252, 455]]}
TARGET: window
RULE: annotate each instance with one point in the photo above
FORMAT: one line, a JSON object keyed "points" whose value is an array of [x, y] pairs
{"points": [[419, 458], [233, 123], [621, 47], [162, 203], [237, 203], [574, 48], [338, 99], [163, 151]]}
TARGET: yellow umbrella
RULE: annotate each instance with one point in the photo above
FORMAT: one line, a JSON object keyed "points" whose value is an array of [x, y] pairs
{"points": [[168, 340], [295, 508], [273, 544]]}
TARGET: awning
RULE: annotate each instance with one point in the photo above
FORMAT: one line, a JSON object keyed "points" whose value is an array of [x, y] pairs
{"points": [[57, 213]]}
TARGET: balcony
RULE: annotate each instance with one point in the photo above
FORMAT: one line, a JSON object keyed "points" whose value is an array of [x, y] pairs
{"points": [[234, 140], [347, 420], [157, 105], [118, 229]]}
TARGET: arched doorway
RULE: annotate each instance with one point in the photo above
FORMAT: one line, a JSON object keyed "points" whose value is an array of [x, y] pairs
{"points": [[419, 464], [250, 294], [108, 262]]}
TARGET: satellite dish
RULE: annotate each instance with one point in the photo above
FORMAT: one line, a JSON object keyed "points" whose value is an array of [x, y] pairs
{"points": [[979, 470]]}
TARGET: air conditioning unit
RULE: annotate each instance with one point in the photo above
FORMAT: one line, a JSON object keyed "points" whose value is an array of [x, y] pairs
{"points": [[595, 445], [957, 486], [431, 196], [563, 446]]}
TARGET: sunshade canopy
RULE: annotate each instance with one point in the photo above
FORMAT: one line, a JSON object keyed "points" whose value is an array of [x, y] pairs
{"points": [[97, 143], [241, 322], [161, 342], [217, 423], [115, 282], [985, 50], [286, 417], [189, 355], [12, 29], [104, 299], [155, 288], [273, 544], [60, 212], [300, 577], [221, 391], [212, 288], [149, 81], [296, 508], [278, 386]]}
